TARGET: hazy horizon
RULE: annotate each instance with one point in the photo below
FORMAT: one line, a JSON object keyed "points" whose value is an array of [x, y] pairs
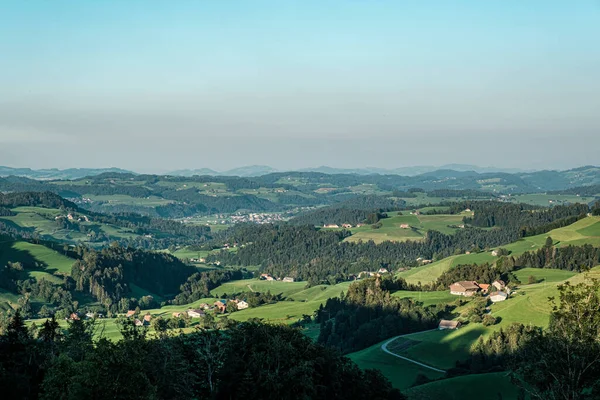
{"points": [[293, 85]]}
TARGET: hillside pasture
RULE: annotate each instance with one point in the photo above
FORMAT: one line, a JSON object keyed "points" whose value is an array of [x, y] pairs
{"points": [[418, 226]]}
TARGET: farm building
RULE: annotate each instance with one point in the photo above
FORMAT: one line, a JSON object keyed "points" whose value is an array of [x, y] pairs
{"points": [[498, 296], [404, 226], [499, 284], [382, 271], [494, 253], [147, 318], [331, 226], [196, 313], [130, 313], [464, 288], [242, 305], [177, 314], [288, 279], [446, 324], [267, 277], [347, 226]]}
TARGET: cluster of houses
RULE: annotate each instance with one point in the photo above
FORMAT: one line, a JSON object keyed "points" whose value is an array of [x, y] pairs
{"points": [[70, 217], [369, 274], [145, 321], [219, 306], [269, 277], [345, 226], [89, 315], [470, 288]]}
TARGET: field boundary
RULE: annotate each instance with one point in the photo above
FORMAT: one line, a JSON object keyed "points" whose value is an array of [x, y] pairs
{"points": [[385, 349]]}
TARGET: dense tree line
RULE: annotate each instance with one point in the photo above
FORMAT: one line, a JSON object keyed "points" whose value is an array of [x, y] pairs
{"points": [[199, 284], [568, 258], [108, 274], [6, 212], [592, 190], [520, 216], [250, 361], [307, 253], [482, 273], [35, 199], [368, 314], [461, 193]]}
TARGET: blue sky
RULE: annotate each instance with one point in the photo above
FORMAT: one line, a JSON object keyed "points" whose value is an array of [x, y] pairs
{"points": [[162, 85]]}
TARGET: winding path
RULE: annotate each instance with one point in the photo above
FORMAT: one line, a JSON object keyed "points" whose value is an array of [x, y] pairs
{"points": [[385, 349]]}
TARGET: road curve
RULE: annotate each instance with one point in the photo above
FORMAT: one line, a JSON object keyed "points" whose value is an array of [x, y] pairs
{"points": [[385, 345]]}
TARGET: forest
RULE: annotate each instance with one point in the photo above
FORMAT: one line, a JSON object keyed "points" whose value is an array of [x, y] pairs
{"points": [[367, 314], [250, 360]]}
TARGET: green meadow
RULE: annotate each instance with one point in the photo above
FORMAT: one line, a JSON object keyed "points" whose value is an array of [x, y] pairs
{"points": [[418, 226]]}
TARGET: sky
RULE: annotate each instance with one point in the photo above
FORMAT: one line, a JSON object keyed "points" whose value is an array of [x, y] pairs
{"points": [[155, 86]]}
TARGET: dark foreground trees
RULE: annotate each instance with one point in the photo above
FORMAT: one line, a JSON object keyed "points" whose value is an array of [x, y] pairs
{"points": [[564, 362], [249, 361], [560, 362]]}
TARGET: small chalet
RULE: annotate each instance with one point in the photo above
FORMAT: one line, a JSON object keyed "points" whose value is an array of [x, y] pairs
{"points": [[498, 296], [147, 318], [74, 317], [346, 226], [464, 288], [137, 322], [220, 306], [242, 305], [446, 324], [499, 284], [130, 313], [404, 226], [494, 253], [177, 314], [197, 313], [204, 306], [382, 271], [288, 279], [267, 277]]}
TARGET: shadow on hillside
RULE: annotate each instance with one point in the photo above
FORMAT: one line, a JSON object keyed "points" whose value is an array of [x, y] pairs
{"points": [[17, 227], [8, 253]]}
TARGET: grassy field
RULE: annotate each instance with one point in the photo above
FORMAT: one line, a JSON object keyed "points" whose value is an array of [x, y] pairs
{"points": [[401, 373], [419, 225], [585, 231], [428, 298], [493, 386]]}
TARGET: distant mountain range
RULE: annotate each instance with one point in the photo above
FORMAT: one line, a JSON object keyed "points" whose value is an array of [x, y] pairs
{"points": [[54, 173], [251, 170], [258, 170]]}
